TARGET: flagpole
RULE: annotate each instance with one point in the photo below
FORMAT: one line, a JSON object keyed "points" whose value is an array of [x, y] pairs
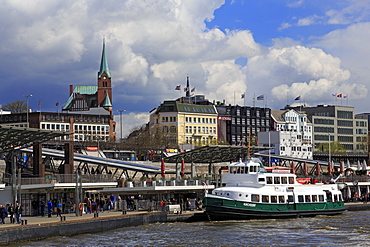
{"points": [[254, 100], [244, 99], [234, 97]]}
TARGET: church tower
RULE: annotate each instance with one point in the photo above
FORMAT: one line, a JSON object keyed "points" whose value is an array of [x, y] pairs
{"points": [[104, 83]]}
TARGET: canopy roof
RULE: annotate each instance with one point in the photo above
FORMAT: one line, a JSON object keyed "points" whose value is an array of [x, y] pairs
{"points": [[15, 137], [214, 154]]}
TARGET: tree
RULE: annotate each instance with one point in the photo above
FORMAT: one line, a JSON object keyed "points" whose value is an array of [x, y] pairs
{"points": [[335, 147], [17, 106], [141, 139]]}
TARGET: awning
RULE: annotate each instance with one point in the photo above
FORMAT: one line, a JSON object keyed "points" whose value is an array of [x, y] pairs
{"points": [[16, 137]]}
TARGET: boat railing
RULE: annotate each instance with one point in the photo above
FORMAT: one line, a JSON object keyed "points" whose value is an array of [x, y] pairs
{"points": [[342, 179]]}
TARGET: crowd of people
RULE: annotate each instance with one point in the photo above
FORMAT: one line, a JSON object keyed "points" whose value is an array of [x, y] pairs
{"points": [[13, 213], [98, 204]]}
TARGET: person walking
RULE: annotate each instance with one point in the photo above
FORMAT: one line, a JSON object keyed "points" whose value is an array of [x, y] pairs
{"points": [[3, 213], [11, 213], [112, 198], [42, 208], [59, 209], [50, 208], [88, 205], [18, 213], [35, 207]]}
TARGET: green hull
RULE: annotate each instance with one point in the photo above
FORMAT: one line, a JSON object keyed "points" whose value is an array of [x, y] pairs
{"points": [[230, 209]]}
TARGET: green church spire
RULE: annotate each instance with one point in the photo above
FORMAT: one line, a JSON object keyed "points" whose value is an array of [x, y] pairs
{"points": [[104, 63]]}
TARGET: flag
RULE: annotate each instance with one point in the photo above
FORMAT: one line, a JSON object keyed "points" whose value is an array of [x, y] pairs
{"points": [[261, 97], [39, 104], [57, 103], [243, 95], [186, 89], [178, 87], [298, 97], [345, 96], [193, 90], [334, 94], [339, 95]]}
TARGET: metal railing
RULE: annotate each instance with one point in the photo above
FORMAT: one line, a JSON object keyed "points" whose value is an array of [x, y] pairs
{"points": [[69, 178]]}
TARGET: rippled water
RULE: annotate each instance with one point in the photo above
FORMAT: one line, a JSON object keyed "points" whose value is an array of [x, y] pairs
{"points": [[349, 229]]}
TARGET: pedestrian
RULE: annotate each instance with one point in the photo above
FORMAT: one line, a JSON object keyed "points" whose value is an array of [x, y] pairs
{"points": [[18, 212], [35, 207], [11, 212], [59, 209], [109, 204], [101, 204], [42, 208], [88, 205], [112, 198], [3, 213], [50, 208]]}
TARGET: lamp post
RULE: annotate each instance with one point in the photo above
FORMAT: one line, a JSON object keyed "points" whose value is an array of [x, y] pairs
{"points": [[27, 96], [120, 121]]}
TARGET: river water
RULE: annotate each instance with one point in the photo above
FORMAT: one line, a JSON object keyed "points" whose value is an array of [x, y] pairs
{"points": [[349, 229]]}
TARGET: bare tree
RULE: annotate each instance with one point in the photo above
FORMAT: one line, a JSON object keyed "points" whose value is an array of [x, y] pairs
{"points": [[17, 106]]}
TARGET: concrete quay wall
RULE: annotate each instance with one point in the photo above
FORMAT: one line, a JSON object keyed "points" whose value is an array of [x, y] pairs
{"points": [[357, 206], [34, 232]]}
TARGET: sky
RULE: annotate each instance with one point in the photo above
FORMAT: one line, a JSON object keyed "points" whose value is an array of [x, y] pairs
{"points": [[281, 49]]}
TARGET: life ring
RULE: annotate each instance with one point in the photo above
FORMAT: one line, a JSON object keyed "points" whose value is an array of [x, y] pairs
{"points": [[80, 206]]}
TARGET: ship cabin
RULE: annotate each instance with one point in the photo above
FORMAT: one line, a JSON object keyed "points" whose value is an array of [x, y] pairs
{"points": [[253, 172]]}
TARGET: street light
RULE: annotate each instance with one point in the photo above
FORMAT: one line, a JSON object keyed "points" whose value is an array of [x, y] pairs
{"points": [[120, 120], [27, 96]]}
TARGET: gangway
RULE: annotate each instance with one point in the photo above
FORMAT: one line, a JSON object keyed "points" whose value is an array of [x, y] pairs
{"points": [[119, 164]]}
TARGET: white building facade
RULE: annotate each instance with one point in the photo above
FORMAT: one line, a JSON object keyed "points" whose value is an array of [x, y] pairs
{"points": [[291, 135]]}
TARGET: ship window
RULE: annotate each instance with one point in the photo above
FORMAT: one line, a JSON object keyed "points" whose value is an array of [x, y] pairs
{"points": [[227, 194], [281, 199], [314, 198], [335, 198], [273, 199], [321, 198], [284, 180], [246, 195], [261, 179], [290, 198], [291, 180], [240, 195], [307, 198], [269, 180], [265, 198], [276, 180], [255, 198], [300, 198], [340, 197]]}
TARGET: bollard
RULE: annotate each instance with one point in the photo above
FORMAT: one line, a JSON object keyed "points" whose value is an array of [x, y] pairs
{"points": [[64, 218], [96, 215], [24, 222], [124, 212]]}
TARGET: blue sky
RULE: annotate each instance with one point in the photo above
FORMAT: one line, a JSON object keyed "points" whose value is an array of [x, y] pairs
{"points": [[278, 48]]}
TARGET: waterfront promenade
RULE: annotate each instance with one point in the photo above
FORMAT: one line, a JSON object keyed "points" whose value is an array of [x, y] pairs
{"points": [[43, 227]]}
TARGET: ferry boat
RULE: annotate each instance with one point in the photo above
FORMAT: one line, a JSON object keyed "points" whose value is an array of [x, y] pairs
{"points": [[250, 192]]}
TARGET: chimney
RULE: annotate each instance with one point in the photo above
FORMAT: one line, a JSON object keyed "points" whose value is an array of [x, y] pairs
{"points": [[70, 89]]}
